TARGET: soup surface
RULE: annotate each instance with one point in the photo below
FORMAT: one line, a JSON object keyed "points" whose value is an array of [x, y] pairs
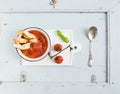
{"points": [[38, 48]]}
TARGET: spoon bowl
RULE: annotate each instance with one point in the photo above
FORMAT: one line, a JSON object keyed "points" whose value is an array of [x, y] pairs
{"points": [[92, 33]]}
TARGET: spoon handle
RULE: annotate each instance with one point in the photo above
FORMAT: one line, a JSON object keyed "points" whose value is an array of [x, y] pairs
{"points": [[90, 61]]}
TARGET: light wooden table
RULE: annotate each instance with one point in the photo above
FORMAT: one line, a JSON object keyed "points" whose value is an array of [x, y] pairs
{"points": [[75, 15]]}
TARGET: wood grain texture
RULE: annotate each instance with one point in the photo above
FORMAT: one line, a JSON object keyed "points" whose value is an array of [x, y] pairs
{"points": [[44, 5], [55, 80]]}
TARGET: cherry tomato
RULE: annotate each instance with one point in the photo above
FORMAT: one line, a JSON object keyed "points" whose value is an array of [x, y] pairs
{"points": [[59, 59], [57, 47]]}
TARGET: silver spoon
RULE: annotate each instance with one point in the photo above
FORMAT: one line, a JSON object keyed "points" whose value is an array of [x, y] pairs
{"points": [[92, 33]]}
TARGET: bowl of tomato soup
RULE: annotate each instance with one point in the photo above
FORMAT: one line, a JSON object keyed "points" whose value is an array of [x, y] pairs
{"points": [[39, 44]]}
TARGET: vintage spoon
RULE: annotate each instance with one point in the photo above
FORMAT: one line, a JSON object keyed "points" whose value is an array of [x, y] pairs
{"points": [[92, 33]]}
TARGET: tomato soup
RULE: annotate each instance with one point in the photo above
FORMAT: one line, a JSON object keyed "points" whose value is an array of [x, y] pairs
{"points": [[37, 49]]}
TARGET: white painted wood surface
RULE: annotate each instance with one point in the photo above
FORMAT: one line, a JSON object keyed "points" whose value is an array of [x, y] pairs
{"points": [[49, 80], [79, 71], [42, 5]]}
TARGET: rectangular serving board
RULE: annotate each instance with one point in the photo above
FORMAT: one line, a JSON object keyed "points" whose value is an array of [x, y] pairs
{"points": [[55, 39]]}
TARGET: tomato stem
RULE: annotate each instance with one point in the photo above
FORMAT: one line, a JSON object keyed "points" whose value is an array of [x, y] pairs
{"points": [[58, 52]]}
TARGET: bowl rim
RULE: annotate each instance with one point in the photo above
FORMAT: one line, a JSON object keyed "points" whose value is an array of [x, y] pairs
{"points": [[47, 51]]}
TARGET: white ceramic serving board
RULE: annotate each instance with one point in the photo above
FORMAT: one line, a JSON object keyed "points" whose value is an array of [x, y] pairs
{"points": [[66, 54]]}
